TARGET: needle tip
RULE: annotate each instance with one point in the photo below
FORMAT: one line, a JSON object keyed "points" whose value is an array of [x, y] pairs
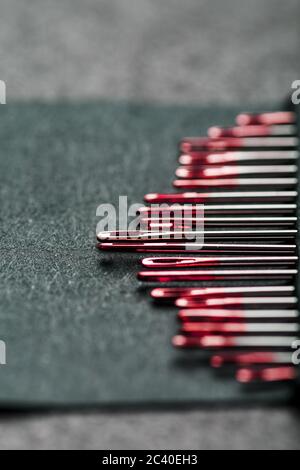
{"points": [[103, 235], [245, 376], [214, 132], [179, 341], [105, 246], [151, 197], [157, 293], [181, 302], [243, 119]]}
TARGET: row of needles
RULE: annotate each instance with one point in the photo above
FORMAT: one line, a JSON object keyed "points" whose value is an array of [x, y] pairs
{"points": [[222, 246]]}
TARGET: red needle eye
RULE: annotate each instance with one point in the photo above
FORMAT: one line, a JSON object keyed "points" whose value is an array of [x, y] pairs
{"points": [[270, 118], [268, 374]]}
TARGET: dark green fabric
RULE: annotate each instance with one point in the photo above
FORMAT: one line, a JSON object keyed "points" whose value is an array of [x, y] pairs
{"points": [[79, 327]]}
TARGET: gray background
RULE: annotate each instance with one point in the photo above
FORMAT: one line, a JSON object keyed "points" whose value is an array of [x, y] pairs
{"points": [[168, 51]]}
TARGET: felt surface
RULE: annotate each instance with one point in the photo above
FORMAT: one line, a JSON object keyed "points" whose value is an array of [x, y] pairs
{"points": [[78, 326], [205, 429], [168, 51]]}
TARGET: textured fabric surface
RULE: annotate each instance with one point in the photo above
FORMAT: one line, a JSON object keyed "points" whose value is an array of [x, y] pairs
{"points": [[205, 429], [170, 51], [78, 326]]}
